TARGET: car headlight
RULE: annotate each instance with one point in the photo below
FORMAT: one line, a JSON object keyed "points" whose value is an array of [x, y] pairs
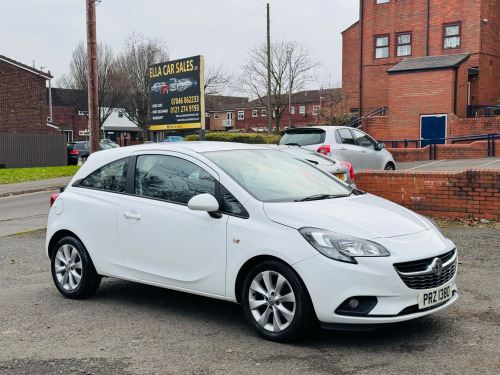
{"points": [[341, 247]]}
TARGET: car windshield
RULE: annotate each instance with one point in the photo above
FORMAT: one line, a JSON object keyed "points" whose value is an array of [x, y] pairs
{"points": [[273, 176], [303, 137]]}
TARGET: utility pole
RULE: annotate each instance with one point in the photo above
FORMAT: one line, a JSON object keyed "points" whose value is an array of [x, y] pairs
{"points": [[269, 109], [289, 53], [92, 70]]}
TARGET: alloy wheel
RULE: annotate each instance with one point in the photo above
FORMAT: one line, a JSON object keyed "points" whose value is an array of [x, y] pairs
{"points": [[272, 301]]}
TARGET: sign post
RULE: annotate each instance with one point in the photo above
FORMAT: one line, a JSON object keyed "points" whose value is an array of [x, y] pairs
{"points": [[177, 98]]}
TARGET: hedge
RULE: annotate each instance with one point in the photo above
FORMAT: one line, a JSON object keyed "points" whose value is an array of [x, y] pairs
{"points": [[238, 137]]}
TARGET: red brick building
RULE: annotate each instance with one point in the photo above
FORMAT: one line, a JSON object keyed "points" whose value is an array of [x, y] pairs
{"points": [[428, 61], [308, 108], [27, 138]]}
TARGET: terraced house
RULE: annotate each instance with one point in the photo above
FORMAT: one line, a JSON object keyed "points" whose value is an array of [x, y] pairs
{"points": [[432, 65]]}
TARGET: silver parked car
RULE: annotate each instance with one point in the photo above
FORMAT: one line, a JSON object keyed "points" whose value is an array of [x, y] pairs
{"points": [[342, 143], [340, 169]]}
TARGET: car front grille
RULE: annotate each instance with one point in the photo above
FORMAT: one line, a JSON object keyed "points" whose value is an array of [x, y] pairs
{"points": [[428, 273]]}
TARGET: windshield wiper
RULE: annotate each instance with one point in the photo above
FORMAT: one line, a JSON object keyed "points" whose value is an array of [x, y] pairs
{"points": [[312, 161], [292, 144], [318, 197]]}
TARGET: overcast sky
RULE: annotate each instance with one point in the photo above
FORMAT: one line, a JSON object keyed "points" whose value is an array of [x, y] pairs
{"points": [[47, 31]]}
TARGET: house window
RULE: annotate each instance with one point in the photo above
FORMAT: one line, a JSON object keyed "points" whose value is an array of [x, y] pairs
{"points": [[403, 44], [82, 113], [241, 115], [292, 110], [381, 46], [451, 35], [316, 110], [207, 114], [302, 109], [254, 113], [263, 112], [216, 115], [383, 1]]}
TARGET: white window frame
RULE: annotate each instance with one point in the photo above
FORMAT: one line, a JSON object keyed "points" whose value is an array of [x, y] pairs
{"points": [[241, 115], [216, 115], [302, 109], [292, 110], [263, 112], [383, 1], [316, 110], [254, 113]]}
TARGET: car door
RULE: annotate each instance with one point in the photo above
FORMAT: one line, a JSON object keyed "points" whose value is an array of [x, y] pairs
{"points": [[371, 158], [350, 151], [165, 242]]}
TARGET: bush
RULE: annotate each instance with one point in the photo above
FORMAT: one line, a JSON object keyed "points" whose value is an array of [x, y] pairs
{"points": [[251, 138]]}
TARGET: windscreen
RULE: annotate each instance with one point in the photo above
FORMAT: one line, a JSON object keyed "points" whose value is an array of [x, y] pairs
{"points": [[273, 176]]}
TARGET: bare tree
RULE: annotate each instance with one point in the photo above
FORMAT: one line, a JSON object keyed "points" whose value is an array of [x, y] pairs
{"points": [[254, 76], [140, 52], [217, 80], [111, 84]]}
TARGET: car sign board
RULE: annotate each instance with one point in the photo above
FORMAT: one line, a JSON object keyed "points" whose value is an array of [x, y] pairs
{"points": [[176, 94]]}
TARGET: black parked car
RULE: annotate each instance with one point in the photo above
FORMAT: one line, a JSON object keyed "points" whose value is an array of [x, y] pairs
{"points": [[81, 149]]}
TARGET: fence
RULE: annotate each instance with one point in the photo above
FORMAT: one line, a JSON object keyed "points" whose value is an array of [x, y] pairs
{"points": [[32, 150]]}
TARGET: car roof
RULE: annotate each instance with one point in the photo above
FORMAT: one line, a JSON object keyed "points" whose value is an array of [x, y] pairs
{"points": [[322, 127]]}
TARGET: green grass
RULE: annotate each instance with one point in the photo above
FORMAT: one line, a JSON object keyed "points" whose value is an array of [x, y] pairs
{"points": [[11, 176]]}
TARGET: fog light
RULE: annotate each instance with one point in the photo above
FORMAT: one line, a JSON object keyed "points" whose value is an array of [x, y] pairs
{"points": [[358, 305], [353, 303]]}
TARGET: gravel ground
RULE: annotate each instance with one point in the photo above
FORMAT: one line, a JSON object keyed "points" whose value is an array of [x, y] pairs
{"points": [[129, 328]]}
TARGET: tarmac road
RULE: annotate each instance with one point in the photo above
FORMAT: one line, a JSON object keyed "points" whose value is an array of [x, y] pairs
{"points": [[129, 328]]}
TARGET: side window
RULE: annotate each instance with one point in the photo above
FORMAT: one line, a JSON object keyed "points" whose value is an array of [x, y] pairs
{"points": [[230, 205], [170, 178], [364, 139], [344, 136], [111, 177]]}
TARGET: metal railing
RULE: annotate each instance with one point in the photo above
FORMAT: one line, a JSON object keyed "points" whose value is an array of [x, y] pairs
{"points": [[434, 142], [379, 111], [472, 110]]}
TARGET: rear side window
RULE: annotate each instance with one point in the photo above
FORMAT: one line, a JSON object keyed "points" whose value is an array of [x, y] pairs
{"points": [[303, 137], [344, 136], [111, 177]]}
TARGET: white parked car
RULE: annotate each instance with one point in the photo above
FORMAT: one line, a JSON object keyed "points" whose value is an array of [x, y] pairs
{"points": [[295, 246], [342, 143]]}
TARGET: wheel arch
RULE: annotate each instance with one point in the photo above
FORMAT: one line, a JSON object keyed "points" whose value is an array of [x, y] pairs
{"points": [[59, 235], [252, 262]]}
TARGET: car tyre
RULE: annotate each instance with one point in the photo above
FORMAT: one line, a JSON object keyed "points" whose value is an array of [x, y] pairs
{"points": [[72, 269], [390, 167], [276, 303]]}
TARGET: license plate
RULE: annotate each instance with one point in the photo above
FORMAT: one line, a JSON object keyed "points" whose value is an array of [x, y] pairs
{"points": [[340, 176], [434, 296]]}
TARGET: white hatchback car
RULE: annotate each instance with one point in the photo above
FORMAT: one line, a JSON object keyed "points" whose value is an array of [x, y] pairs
{"points": [[342, 143], [247, 224]]}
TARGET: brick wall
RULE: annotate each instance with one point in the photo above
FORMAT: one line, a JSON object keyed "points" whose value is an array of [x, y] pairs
{"points": [[69, 115], [23, 102], [445, 194], [350, 65]]}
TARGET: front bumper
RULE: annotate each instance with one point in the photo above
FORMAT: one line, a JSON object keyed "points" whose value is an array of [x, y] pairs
{"points": [[330, 282]]}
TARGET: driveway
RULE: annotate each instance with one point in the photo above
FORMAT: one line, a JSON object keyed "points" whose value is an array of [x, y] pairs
{"points": [[450, 165]]}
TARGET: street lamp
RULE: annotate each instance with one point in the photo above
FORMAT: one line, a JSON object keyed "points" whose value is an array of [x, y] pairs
{"points": [[289, 53]]}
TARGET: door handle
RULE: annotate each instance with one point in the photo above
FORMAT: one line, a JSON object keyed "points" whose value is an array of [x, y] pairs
{"points": [[130, 215], [343, 149]]}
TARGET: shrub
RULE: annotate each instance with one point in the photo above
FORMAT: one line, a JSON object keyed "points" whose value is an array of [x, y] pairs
{"points": [[238, 137]]}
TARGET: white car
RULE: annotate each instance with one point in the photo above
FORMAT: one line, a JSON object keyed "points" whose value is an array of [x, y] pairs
{"points": [[342, 143], [294, 245]]}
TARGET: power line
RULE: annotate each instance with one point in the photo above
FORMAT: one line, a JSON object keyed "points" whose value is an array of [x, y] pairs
{"points": [[217, 30]]}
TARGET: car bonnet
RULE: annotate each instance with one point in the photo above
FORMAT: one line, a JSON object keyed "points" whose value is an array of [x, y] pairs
{"points": [[365, 216]]}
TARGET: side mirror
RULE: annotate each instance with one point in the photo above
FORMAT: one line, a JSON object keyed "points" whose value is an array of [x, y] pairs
{"points": [[380, 146], [203, 202]]}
